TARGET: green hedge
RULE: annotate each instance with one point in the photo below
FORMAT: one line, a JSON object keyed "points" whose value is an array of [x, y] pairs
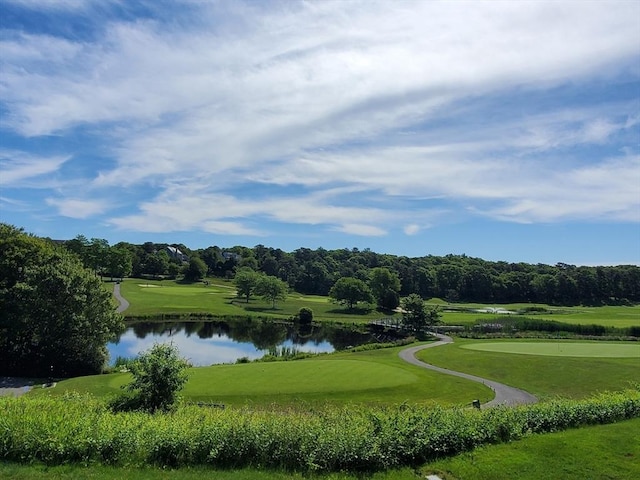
{"points": [[79, 429]]}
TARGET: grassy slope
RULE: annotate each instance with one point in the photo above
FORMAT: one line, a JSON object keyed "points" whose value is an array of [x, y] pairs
{"points": [[379, 376], [600, 452], [573, 377], [603, 451], [372, 377]]}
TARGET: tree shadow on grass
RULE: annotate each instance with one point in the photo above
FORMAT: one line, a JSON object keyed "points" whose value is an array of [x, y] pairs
{"points": [[351, 311], [265, 309]]}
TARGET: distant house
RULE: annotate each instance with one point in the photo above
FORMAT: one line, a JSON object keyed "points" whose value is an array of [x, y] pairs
{"points": [[230, 255], [176, 254]]}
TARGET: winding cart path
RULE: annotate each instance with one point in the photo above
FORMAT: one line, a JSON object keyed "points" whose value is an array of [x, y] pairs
{"points": [[505, 395], [121, 300]]}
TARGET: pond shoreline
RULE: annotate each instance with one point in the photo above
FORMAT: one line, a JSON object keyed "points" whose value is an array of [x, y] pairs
{"points": [[16, 386]]}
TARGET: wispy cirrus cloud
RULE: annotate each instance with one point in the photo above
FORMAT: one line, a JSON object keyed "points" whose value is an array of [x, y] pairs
{"points": [[359, 118], [18, 167], [78, 207]]}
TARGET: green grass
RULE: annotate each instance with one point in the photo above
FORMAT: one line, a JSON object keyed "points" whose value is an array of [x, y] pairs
{"points": [[380, 376], [149, 297], [98, 472], [371, 377], [562, 349], [608, 316], [219, 298], [544, 376], [598, 452]]}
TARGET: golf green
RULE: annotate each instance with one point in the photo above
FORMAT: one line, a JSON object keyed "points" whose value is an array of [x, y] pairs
{"points": [[561, 349], [294, 377]]}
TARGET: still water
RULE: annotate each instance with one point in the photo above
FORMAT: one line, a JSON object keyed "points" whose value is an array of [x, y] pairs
{"points": [[208, 343]]}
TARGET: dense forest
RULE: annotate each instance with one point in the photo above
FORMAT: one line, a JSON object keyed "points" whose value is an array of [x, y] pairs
{"points": [[451, 277]]}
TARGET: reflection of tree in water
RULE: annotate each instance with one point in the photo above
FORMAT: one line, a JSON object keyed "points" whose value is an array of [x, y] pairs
{"points": [[342, 338], [264, 334], [142, 329], [209, 329], [301, 334], [192, 327], [240, 330]]}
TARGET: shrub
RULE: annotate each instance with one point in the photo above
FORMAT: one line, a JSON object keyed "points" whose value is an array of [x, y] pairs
{"points": [[354, 438], [158, 375]]}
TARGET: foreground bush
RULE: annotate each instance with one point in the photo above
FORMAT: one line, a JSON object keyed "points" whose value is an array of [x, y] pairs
{"points": [[158, 376], [81, 429]]}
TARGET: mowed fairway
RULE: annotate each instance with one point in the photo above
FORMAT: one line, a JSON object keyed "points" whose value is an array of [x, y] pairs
{"points": [[294, 378], [562, 349], [154, 297], [545, 376], [158, 297]]}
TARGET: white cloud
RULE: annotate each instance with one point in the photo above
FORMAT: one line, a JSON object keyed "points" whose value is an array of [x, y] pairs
{"points": [[411, 229], [606, 192], [78, 208], [361, 105], [361, 229], [16, 167], [184, 208]]}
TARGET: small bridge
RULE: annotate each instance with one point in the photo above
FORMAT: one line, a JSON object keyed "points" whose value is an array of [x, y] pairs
{"points": [[388, 322]]}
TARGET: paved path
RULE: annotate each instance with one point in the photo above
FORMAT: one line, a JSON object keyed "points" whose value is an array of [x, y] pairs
{"points": [[505, 395], [123, 302]]}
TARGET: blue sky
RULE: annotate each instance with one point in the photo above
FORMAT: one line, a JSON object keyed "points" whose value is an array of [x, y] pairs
{"points": [[501, 130]]}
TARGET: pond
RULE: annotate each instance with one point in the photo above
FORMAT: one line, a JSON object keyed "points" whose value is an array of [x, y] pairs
{"points": [[214, 342]]}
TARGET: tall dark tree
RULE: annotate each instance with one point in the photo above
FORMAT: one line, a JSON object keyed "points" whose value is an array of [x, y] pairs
{"points": [[119, 262], [55, 316], [385, 286]]}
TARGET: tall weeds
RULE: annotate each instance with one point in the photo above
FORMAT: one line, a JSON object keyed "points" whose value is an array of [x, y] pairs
{"points": [[82, 429]]}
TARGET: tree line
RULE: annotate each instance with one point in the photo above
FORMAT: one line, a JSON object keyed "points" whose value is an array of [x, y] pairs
{"points": [[451, 277]]}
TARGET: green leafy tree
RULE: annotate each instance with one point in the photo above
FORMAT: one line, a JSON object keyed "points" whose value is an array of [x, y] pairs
{"points": [[350, 291], [196, 270], [385, 286], [119, 262], [415, 314], [79, 245], [158, 376], [272, 289], [173, 270], [246, 282], [97, 255], [157, 263], [55, 316]]}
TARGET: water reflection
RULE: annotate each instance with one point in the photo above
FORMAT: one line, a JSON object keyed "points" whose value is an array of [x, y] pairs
{"points": [[207, 343]]}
